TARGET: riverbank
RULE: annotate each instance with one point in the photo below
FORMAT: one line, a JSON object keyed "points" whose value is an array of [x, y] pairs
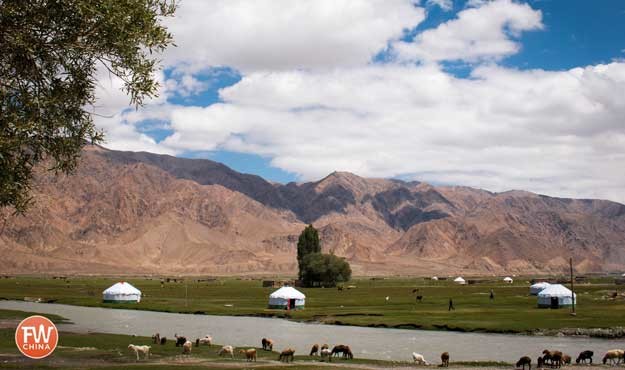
{"points": [[109, 351], [511, 311]]}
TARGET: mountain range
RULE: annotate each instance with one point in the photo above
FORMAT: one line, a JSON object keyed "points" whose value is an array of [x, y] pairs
{"points": [[143, 213]]}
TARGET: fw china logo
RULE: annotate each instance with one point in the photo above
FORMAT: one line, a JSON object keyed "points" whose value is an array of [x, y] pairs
{"points": [[36, 337]]}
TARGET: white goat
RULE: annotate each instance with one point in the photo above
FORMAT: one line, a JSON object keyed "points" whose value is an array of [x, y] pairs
{"points": [[143, 349], [419, 359], [206, 340], [228, 350]]}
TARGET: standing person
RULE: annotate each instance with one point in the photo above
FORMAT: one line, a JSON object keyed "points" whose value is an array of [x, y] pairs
{"points": [[492, 295], [451, 305]]}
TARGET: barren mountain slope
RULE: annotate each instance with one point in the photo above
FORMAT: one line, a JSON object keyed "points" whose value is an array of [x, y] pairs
{"points": [[125, 212]]}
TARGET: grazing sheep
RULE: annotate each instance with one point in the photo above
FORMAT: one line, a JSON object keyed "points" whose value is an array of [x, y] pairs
{"points": [[226, 350], [566, 359], [143, 349], [326, 354], [206, 340], [250, 354], [419, 359], [267, 344], [186, 348], [314, 350], [180, 340], [156, 338], [287, 354], [583, 356], [612, 355], [553, 358], [524, 361], [445, 359]]}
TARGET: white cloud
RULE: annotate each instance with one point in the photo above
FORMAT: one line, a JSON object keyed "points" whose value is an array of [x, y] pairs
{"points": [[446, 5], [310, 99], [285, 34], [483, 33], [559, 133]]}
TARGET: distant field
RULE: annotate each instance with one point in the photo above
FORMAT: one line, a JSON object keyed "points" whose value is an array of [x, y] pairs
{"points": [[512, 310]]}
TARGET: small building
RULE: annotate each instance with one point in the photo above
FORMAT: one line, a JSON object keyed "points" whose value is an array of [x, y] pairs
{"points": [[121, 292], [508, 280], [287, 298], [538, 287], [460, 280], [555, 296]]}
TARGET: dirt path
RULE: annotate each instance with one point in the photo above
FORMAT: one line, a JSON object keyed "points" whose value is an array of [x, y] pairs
{"points": [[8, 359]]}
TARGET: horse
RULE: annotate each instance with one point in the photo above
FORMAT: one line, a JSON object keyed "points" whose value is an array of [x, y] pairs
{"points": [[419, 359], [226, 350], [250, 354], [287, 354], [180, 340]]}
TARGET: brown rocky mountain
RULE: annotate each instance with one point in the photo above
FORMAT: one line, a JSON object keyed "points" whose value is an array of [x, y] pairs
{"points": [[140, 213]]}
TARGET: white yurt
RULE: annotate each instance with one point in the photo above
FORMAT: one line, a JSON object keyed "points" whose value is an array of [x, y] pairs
{"points": [[459, 280], [538, 287], [555, 296], [507, 280], [121, 292], [435, 278], [287, 298]]}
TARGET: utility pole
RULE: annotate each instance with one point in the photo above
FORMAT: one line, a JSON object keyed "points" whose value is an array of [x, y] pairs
{"points": [[572, 288]]}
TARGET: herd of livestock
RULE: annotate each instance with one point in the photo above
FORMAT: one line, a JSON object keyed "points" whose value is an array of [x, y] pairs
{"points": [[557, 359], [287, 355], [549, 359]]}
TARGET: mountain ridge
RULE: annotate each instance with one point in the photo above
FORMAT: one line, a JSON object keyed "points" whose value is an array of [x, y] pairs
{"points": [[163, 214]]}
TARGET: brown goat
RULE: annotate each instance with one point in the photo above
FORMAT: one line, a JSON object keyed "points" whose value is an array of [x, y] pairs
{"points": [[267, 344], [524, 361]]}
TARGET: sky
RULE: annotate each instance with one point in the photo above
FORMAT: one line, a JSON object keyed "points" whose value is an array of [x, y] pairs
{"points": [[493, 94]]}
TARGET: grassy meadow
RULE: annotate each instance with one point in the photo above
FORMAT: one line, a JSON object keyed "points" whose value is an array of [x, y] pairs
{"points": [[512, 310], [110, 351]]}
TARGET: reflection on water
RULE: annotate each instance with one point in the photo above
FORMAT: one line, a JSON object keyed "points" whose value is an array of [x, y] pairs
{"points": [[377, 343]]}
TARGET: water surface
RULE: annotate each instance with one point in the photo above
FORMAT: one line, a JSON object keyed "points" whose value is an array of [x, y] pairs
{"points": [[375, 343]]}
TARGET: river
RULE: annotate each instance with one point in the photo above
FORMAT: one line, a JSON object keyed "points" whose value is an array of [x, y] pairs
{"points": [[374, 343]]}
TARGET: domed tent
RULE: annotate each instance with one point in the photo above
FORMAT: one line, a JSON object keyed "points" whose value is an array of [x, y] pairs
{"points": [[435, 278], [121, 292], [508, 280], [459, 280], [287, 298], [555, 296], [538, 287]]}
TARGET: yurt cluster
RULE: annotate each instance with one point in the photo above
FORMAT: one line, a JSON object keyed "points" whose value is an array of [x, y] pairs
{"points": [[288, 298]]}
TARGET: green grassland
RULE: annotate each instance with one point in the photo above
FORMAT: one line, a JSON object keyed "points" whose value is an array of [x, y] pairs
{"points": [[95, 350], [512, 310], [110, 351]]}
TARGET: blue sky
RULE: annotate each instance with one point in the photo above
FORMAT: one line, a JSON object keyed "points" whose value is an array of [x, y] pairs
{"points": [[474, 92]]}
